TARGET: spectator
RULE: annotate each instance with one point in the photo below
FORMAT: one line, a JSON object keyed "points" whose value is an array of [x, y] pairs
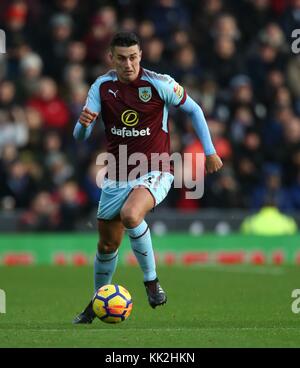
{"points": [[225, 191], [76, 10], [204, 17], [222, 144], [97, 40], [271, 187], [293, 75], [31, 66], [146, 30], [243, 120], [34, 124], [90, 185], [53, 109], [224, 62], [167, 15], [42, 215], [269, 55], [275, 79], [269, 221], [74, 75], [256, 14], [294, 189], [72, 202], [206, 94], [12, 117], [186, 63], [77, 99], [291, 18], [153, 55], [60, 170], [56, 44], [129, 24], [226, 26], [19, 184]]}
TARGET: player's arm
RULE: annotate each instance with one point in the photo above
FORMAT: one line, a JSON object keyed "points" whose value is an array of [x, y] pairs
{"points": [[174, 94], [213, 162], [89, 114], [85, 124]]}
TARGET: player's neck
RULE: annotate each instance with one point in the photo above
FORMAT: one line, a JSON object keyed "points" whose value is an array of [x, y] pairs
{"points": [[126, 81]]}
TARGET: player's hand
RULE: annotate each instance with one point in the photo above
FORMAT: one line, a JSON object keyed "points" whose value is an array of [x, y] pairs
{"points": [[213, 163], [87, 117]]}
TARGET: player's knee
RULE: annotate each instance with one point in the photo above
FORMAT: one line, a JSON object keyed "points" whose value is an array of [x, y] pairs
{"points": [[105, 247], [130, 217]]}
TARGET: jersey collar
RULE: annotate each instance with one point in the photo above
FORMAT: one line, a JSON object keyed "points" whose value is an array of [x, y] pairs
{"points": [[137, 80]]}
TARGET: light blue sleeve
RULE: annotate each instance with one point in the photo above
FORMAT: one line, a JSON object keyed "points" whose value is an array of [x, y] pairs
{"points": [[81, 133], [199, 123], [172, 92], [93, 103], [168, 89]]}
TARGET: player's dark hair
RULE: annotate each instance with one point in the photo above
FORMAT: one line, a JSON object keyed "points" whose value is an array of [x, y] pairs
{"points": [[125, 39]]}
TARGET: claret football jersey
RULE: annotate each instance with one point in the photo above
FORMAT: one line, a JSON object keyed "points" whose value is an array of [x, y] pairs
{"points": [[135, 114]]}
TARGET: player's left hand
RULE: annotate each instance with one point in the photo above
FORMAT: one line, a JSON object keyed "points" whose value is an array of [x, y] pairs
{"points": [[213, 163]]}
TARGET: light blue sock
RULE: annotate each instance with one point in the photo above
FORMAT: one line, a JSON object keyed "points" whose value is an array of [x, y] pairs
{"points": [[141, 244], [104, 267]]}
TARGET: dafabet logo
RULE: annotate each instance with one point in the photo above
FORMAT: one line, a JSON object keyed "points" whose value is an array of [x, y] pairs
{"points": [[130, 118]]}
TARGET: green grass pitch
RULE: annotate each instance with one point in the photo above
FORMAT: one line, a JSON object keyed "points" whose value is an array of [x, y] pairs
{"points": [[208, 306]]}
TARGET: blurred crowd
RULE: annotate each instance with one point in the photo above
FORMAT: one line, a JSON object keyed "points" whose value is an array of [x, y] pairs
{"points": [[233, 57]]}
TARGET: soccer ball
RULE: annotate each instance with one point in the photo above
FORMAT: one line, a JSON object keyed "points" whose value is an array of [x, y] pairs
{"points": [[112, 303]]}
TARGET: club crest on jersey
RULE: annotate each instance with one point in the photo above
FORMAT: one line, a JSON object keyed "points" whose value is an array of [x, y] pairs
{"points": [[145, 94]]}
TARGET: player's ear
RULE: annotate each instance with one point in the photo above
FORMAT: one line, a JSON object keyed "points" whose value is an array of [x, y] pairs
{"points": [[110, 56]]}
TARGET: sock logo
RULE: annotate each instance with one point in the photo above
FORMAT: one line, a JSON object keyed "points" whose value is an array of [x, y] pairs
{"points": [[142, 253]]}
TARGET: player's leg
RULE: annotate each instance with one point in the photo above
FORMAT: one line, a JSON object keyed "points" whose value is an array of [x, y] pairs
{"points": [[110, 237], [133, 212]]}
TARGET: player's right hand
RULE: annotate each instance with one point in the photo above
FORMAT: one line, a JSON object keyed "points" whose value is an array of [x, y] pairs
{"points": [[87, 117], [213, 163]]}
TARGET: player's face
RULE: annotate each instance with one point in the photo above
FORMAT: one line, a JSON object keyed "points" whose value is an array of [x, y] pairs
{"points": [[126, 61]]}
